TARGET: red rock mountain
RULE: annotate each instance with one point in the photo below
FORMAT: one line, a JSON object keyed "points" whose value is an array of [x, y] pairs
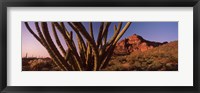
{"points": [[135, 43]]}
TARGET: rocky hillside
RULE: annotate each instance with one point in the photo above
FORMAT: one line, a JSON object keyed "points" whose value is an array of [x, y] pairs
{"points": [[135, 43], [161, 58]]}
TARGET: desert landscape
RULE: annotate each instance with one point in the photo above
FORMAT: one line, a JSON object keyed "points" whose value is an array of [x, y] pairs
{"points": [[94, 46], [139, 54], [131, 54]]}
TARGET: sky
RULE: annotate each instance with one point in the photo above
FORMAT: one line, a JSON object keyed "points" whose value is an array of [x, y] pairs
{"points": [[152, 31]]}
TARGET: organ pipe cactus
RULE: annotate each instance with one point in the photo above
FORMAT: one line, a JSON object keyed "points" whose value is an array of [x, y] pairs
{"points": [[89, 54]]}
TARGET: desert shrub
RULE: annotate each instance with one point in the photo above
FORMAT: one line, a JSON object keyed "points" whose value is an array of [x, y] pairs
{"points": [[25, 68], [161, 58], [39, 65], [171, 66], [137, 65], [155, 66]]}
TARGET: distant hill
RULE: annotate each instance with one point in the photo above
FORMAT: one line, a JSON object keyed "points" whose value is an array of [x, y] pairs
{"points": [[131, 54], [161, 58], [135, 43]]}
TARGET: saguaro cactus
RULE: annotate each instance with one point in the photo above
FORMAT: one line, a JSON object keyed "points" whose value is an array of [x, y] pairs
{"points": [[90, 53], [26, 55]]}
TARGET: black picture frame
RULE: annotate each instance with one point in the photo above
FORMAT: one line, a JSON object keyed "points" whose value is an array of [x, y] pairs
{"points": [[100, 3]]}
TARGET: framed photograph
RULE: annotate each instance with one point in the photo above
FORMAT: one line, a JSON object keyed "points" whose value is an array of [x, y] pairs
{"points": [[103, 46]]}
